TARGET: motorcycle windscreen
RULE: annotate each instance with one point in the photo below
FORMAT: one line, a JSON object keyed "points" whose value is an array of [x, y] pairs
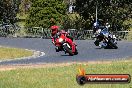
{"points": [[105, 32]]}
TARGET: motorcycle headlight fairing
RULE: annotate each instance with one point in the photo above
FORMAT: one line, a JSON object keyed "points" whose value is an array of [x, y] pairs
{"points": [[98, 31], [114, 36], [60, 40]]}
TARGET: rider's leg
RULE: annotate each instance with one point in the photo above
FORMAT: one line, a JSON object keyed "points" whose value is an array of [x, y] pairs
{"points": [[98, 40]]}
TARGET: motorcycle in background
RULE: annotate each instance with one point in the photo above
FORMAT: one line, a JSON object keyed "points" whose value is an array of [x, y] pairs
{"points": [[109, 40]]}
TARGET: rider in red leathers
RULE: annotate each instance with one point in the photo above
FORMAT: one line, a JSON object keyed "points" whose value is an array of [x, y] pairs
{"points": [[55, 33]]}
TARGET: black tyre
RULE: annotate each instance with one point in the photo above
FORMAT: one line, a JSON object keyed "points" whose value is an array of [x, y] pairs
{"points": [[81, 80], [112, 44], [76, 52], [68, 50]]}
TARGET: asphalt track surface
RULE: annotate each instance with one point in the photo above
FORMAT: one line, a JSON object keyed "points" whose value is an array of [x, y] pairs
{"points": [[86, 48]]}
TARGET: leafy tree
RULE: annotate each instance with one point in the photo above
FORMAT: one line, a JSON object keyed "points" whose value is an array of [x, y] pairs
{"points": [[44, 13], [113, 11], [74, 21], [8, 10], [24, 6]]}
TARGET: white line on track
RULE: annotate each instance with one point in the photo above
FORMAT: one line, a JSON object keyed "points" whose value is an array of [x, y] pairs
{"points": [[36, 54]]}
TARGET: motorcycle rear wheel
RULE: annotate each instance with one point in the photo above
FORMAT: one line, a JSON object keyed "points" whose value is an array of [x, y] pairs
{"points": [[68, 50], [76, 52], [112, 44]]}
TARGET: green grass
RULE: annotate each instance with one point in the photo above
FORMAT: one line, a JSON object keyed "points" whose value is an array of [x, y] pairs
{"points": [[12, 53], [62, 77]]}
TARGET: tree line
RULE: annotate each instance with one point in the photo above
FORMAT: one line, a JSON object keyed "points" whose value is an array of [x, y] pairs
{"points": [[8, 10], [44, 13], [113, 11]]}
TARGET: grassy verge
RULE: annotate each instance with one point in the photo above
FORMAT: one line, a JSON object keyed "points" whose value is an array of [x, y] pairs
{"points": [[62, 77], [11, 53]]}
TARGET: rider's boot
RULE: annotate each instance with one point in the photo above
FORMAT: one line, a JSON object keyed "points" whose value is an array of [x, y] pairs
{"points": [[103, 45]]}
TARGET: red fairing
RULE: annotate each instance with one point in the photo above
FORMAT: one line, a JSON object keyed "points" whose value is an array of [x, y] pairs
{"points": [[57, 43], [73, 47], [68, 40], [72, 44]]}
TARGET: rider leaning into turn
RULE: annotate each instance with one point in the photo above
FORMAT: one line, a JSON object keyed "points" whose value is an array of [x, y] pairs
{"points": [[105, 27], [55, 32]]}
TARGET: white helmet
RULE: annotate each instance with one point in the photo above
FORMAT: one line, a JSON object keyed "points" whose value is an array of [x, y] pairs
{"points": [[107, 25]]}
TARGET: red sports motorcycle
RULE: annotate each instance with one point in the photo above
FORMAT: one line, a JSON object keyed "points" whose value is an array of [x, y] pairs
{"points": [[63, 43]]}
